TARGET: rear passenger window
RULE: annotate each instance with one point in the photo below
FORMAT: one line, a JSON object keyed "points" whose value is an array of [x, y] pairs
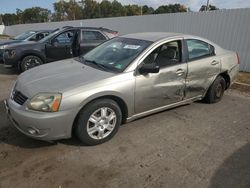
{"points": [[92, 36], [199, 49]]}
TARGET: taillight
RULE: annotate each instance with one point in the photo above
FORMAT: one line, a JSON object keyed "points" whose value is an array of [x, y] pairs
{"points": [[238, 58], [115, 33]]}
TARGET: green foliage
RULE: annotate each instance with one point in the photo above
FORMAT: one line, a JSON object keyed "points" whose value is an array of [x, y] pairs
{"points": [[1, 19], [35, 15], [67, 11], [84, 9], [210, 8], [10, 19], [132, 10], [29, 15], [170, 9], [147, 10]]}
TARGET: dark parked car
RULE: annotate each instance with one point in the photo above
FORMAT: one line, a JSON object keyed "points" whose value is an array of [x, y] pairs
{"points": [[27, 36], [65, 43]]}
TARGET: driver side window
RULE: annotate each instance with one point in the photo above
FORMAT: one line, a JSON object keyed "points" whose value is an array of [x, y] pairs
{"points": [[64, 38], [167, 54]]}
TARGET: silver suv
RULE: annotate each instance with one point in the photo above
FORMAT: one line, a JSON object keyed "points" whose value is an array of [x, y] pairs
{"points": [[123, 79]]}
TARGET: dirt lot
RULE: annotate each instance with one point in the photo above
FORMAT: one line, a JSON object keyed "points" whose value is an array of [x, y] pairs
{"points": [[197, 145], [2, 37], [244, 77]]}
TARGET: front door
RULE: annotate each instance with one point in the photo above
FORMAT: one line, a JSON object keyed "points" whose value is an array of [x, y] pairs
{"points": [[61, 47], [155, 90]]}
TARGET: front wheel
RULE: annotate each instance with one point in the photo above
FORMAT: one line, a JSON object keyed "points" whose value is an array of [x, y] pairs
{"points": [[29, 62], [216, 90], [98, 122]]}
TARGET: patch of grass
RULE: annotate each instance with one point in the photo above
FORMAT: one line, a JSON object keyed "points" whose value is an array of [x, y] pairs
{"points": [[4, 37], [243, 77]]}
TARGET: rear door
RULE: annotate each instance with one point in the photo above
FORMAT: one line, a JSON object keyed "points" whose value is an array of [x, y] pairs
{"points": [[203, 67], [90, 39], [61, 46]]}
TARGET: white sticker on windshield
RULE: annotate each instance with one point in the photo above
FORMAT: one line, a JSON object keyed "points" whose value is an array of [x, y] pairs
{"points": [[133, 47]]}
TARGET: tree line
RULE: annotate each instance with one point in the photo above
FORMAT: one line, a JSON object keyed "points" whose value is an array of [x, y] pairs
{"points": [[85, 9]]}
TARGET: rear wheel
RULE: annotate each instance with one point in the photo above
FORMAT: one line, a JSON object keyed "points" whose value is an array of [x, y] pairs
{"points": [[98, 122], [29, 62], [216, 90]]}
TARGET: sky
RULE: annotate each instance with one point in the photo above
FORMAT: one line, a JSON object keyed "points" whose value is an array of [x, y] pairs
{"points": [[9, 6]]}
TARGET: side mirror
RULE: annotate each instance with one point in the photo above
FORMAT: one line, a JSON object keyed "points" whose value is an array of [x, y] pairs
{"points": [[149, 68]]}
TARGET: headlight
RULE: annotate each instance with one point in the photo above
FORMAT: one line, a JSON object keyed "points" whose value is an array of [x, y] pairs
{"points": [[45, 102], [3, 47], [11, 53]]}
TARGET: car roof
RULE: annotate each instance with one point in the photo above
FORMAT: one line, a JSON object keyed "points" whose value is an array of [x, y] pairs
{"points": [[39, 31], [94, 28], [43, 31], [152, 36]]}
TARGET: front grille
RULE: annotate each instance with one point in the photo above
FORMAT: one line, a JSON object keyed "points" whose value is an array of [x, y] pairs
{"points": [[18, 97]]}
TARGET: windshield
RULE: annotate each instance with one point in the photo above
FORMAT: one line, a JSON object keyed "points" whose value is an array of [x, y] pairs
{"points": [[116, 54], [50, 35], [25, 35]]}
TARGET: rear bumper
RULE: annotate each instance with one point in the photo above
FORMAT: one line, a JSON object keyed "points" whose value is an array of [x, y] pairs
{"points": [[39, 125]]}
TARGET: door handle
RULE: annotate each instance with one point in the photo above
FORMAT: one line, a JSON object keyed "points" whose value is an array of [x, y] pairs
{"points": [[70, 49], [214, 62], [180, 72]]}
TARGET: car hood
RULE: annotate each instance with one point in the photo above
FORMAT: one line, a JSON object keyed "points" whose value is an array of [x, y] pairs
{"points": [[7, 42], [21, 44], [61, 76]]}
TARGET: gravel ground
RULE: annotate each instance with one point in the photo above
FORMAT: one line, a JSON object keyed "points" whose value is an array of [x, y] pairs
{"points": [[197, 145]]}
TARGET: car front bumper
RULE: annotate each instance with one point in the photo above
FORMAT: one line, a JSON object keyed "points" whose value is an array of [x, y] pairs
{"points": [[40, 125], [10, 62]]}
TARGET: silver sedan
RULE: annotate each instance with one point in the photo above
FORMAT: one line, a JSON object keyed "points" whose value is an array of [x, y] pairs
{"points": [[125, 78]]}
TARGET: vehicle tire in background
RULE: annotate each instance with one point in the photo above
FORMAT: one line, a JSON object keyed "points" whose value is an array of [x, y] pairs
{"points": [[98, 122], [29, 62], [216, 90]]}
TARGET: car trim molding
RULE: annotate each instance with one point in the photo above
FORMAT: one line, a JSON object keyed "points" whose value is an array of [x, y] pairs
{"points": [[162, 108]]}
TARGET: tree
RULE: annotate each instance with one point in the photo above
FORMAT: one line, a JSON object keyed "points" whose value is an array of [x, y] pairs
{"points": [[210, 8], [19, 14], [147, 10], [85, 9], [73, 10], [1, 19], [171, 8], [106, 8], [60, 12], [132, 10], [117, 9], [10, 19], [35, 15], [91, 9]]}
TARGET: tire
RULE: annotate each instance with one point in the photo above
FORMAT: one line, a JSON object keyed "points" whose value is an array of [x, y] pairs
{"points": [[98, 122], [216, 90], [29, 62]]}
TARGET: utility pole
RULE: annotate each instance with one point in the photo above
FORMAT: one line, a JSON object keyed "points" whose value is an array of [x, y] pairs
{"points": [[207, 8]]}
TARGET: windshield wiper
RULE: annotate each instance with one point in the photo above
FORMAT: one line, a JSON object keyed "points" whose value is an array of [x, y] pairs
{"points": [[94, 63]]}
